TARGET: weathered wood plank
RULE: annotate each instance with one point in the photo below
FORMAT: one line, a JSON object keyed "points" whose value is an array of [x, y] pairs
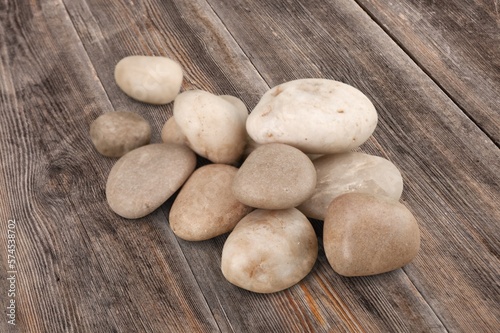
{"points": [[80, 267], [450, 167], [456, 43], [242, 311]]}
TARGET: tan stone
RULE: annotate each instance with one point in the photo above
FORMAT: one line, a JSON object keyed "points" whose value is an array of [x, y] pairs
{"points": [[206, 207], [269, 251], [351, 172], [116, 133], [275, 176], [366, 235], [143, 179], [171, 133]]}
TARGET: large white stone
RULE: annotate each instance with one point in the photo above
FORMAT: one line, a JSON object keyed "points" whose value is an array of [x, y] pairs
{"points": [[154, 80], [318, 116]]}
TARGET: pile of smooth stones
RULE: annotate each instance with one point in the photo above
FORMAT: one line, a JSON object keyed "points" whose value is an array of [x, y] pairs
{"points": [[295, 158]]}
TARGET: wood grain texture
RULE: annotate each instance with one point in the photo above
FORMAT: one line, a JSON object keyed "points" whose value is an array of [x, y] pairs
{"points": [[85, 269], [457, 44], [80, 267]]}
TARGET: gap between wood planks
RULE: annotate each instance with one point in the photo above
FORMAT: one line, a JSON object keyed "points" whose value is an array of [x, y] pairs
{"points": [[423, 69]]}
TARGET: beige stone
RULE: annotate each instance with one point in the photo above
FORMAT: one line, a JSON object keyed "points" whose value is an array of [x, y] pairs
{"points": [[351, 172], [213, 125], [116, 133], [171, 133], [154, 80], [366, 235], [318, 116], [275, 176], [143, 179], [206, 207], [269, 251]]}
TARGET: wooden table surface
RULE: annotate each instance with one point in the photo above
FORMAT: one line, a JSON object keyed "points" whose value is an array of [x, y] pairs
{"points": [[431, 68]]}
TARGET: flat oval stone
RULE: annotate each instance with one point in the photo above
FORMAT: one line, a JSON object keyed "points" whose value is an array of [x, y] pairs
{"points": [[154, 80], [366, 235], [206, 207], [351, 172], [171, 133], [275, 176], [213, 125], [116, 133], [318, 116], [143, 179], [269, 251]]}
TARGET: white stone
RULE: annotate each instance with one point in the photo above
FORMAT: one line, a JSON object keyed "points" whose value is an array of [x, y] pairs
{"points": [[318, 116], [351, 172], [214, 126], [154, 80], [269, 250]]}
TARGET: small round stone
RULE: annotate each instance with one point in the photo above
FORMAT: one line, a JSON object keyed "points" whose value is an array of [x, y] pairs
{"points": [[269, 251], [142, 180], [318, 116], [154, 80], [275, 176], [351, 172], [206, 207], [171, 133], [365, 235], [116, 133]]}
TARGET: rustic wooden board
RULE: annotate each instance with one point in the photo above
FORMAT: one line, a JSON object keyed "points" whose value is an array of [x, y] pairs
{"points": [[85, 269], [80, 267], [457, 45]]}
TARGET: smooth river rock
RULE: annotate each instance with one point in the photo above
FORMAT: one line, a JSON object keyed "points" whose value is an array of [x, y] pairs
{"points": [[206, 207], [116, 133], [366, 235], [213, 125], [318, 116], [351, 172], [143, 179], [154, 80], [171, 133], [269, 251], [275, 176]]}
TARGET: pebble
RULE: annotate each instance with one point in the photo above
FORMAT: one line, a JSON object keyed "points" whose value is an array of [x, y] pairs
{"points": [[318, 116], [143, 179], [275, 176], [214, 126], [116, 133], [351, 172], [365, 235], [206, 207], [171, 133], [269, 251], [154, 80]]}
